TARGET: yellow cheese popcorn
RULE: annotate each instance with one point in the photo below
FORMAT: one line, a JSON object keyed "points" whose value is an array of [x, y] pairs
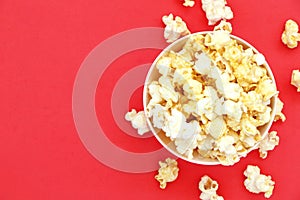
{"points": [[257, 183], [175, 28], [295, 81], [168, 172], [208, 188], [290, 35]]}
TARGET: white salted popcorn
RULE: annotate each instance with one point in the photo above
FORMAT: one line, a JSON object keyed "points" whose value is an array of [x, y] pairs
{"points": [[175, 28], [181, 75], [295, 81], [228, 89], [268, 144], [186, 140], [202, 64], [233, 109], [278, 113], [189, 3], [192, 89], [257, 183], [208, 188], [158, 114], [219, 39], [223, 25], [168, 172], [174, 123], [267, 88], [167, 91], [225, 145], [290, 35], [138, 121], [216, 128], [153, 90], [259, 59], [216, 10], [164, 66]]}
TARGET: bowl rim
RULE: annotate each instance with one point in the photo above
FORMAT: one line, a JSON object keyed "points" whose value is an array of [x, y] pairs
{"points": [[145, 94]]}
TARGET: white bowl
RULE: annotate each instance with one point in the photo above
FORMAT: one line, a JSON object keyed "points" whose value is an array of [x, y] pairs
{"points": [[153, 74]]}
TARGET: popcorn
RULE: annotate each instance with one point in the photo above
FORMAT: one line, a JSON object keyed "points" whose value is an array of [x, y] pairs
{"points": [[257, 183], [174, 123], [233, 109], [175, 28], [208, 188], [295, 81], [189, 3], [279, 107], [211, 97], [216, 10], [268, 144], [216, 127], [168, 172], [164, 66], [223, 25], [138, 121], [290, 35]]}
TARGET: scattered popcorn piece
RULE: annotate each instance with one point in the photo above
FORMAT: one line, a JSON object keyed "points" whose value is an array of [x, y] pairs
{"points": [[208, 188], [295, 81], [138, 121], [223, 25], [189, 3], [268, 144], [279, 107], [290, 35], [257, 182], [175, 28], [168, 172], [216, 10]]}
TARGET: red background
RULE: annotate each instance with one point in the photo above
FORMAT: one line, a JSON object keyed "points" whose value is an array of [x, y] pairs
{"points": [[42, 45]]}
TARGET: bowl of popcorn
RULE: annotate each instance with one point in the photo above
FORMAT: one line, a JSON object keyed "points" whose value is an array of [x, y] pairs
{"points": [[210, 97]]}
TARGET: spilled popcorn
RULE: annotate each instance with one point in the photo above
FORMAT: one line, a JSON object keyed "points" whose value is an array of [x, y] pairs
{"points": [[138, 121], [279, 115], [268, 144], [208, 188], [216, 10], [167, 172], [175, 28], [189, 3], [290, 35], [257, 183], [295, 80], [212, 97]]}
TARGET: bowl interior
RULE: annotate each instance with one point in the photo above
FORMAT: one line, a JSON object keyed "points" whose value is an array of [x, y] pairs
{"points": [[153, 74]]}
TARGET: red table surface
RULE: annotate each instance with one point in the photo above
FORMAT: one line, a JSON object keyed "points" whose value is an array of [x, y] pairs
{"points": [[42, 46]]}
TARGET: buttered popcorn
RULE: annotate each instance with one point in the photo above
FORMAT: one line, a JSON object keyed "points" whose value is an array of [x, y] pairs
{"points": [[168, 172], [216, 10], [290, 35], [208, 188], [175, 28], [257, 183], [212, 97]]}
